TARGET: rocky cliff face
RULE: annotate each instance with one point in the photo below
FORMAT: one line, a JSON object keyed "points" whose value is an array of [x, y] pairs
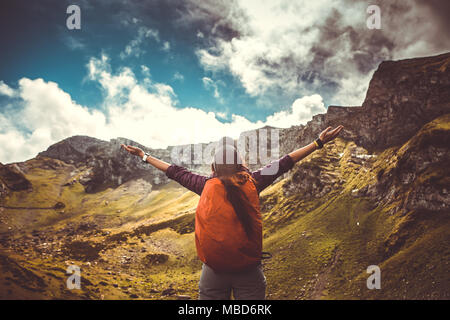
{"points": [[402, 97], [3, 189], [418, 178], [108, 165]]}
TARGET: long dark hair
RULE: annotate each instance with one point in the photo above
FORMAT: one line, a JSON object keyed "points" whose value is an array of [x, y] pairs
{"points": [[230, 169]]}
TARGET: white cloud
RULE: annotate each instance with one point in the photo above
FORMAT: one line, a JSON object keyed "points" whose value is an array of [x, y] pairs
{"points": [[145, 111], [145, 71], [222, 115], [300, 112], [134, 47], [268, 55], [5, 90], [166, 46], [351, 91], [313, 46], [178, 76], [73, 43], [45, 114], [209, 84]]}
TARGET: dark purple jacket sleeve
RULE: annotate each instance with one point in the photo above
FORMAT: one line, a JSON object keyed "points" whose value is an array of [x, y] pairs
{"points": [[268, 174], [186, 178], [264, 176]]}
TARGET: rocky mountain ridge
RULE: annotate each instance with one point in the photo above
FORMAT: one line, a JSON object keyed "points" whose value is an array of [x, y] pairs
{"points": [[402, 97]]}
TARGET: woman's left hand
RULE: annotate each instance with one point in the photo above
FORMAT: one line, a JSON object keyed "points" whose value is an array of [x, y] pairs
{"points": [[327, 135]]}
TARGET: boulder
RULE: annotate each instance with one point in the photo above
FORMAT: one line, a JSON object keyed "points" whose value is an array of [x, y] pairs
{"points": [[12, 178]]}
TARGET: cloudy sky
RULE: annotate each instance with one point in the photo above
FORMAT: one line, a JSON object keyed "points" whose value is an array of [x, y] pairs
{"points": [[167, 72]]}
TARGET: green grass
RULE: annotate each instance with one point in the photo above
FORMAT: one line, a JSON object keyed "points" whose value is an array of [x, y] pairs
{"points": [[321, 244], [410, 247]]}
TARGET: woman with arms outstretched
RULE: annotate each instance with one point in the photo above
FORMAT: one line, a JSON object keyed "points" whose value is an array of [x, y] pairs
{"points": [[228, 228]]}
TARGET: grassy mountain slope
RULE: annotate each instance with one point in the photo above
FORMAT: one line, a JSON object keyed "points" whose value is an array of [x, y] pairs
{"points": [[337, 212], [322, 246], [124, 238]]}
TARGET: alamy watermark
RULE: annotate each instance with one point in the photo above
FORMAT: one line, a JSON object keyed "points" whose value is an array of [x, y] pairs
{"points": [[74, 280], [374, 20], [74, 20], [374, 280], [255, 147]]}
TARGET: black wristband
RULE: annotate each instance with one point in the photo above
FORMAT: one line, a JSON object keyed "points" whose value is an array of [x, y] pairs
{"points": [[320, 143]]}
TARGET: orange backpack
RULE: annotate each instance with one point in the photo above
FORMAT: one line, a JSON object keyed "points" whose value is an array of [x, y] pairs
{"points": [[220, 238]]}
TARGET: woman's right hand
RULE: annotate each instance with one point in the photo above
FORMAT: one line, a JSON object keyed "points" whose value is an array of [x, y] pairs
{"points": [[134, 150]]}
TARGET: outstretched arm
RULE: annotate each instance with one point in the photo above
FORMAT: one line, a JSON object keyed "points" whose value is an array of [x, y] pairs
{"points": [[266, 176], [186, 178], [325, 136], [158, 164]]}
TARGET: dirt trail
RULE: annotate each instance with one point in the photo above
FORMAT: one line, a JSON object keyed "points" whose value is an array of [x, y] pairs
{"points": [[28, 208], [56, 206], [322, 279]]}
